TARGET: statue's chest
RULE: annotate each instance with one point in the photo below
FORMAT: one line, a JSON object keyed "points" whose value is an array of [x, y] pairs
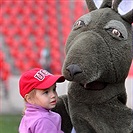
{"points": [[109, 117]]}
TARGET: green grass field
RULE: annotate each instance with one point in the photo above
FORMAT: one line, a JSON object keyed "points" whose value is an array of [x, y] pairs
{"points": [[9, 123]]}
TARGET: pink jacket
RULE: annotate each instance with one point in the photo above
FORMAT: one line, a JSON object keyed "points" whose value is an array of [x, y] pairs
{"points": [[40, 120]]}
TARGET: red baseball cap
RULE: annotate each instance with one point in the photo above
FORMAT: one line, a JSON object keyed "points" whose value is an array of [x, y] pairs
{"points": [[39, 79]]}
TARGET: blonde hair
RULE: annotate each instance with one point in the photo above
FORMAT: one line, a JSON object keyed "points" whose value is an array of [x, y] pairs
{"points": [[30, 94]]}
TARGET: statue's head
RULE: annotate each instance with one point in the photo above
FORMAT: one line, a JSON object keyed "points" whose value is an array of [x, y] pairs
{"points": [[99, 47]]}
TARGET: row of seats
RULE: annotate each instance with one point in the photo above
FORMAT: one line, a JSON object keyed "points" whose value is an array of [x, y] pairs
{"points": [[4, 67], [28, 27]]}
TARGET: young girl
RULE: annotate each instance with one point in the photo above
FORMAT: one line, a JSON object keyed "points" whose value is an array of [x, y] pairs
{"points": [[38, 88]]}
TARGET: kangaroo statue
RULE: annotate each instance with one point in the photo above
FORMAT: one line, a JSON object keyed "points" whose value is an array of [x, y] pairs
{"points": [[97, 62]]}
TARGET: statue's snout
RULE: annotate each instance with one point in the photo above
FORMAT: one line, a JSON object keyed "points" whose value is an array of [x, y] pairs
{"points": [[73, 69]]}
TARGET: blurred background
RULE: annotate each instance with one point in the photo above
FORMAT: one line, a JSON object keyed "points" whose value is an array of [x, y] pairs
{"points": [[33, 34]]}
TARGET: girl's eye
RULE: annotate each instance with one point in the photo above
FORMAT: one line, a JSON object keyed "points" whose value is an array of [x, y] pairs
{"points": [[45, 92], [54, 89]]}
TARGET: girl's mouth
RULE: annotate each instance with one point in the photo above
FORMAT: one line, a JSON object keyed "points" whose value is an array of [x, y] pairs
{"points": [[53, 102]]}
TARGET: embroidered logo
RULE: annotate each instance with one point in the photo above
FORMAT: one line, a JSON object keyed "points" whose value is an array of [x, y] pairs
{"points": [[40, 75]]}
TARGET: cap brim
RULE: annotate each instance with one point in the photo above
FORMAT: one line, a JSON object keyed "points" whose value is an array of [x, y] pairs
{"points": [[50, 81]]}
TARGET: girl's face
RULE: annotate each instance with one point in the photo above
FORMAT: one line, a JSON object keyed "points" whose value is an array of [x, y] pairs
{"points": [[46, 98]]}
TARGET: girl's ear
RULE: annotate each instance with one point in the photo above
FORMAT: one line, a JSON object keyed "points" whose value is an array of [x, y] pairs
{"points": [[29, 99]]}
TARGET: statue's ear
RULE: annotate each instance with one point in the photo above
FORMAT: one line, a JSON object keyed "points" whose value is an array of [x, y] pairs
{"points": [[91, 5], [128, 17], [115, 4], [106, 3]]}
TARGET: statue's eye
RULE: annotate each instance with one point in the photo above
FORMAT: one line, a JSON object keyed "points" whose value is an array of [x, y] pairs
{"points": [[78, 24], [116, 32], [116, 29]]}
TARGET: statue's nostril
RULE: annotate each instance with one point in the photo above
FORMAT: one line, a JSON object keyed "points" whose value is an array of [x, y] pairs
{"points": [[74, 69]]}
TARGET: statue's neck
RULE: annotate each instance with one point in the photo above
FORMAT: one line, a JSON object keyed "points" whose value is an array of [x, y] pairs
{"points": [[81, 94]]}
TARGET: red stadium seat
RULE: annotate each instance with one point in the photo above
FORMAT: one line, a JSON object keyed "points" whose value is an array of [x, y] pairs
{"points": [[131, 70], [29, 26]]}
